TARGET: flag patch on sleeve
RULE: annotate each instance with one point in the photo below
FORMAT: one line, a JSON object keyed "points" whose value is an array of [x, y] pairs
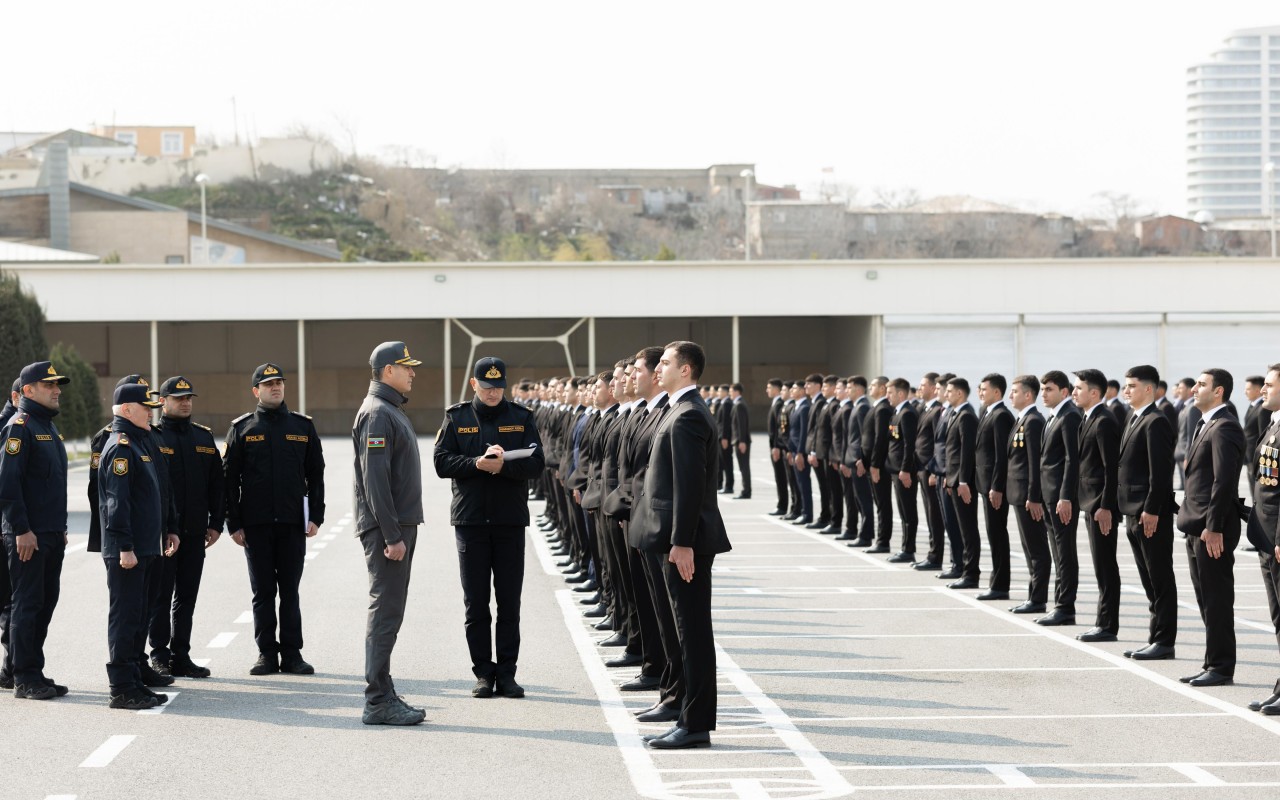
{"points": [[377, 441]]}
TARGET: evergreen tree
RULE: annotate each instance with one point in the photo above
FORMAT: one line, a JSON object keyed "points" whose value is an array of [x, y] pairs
{"points": [[81, 407], [22, 339]]}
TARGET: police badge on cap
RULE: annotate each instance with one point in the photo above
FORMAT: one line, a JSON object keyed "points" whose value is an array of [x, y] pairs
{"points": [[267, 372], [490, 373]]}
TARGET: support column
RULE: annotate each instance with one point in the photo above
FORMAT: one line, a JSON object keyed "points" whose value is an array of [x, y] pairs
{"points": [[448, 361], [591, 345], [1162, 358], [736, 352], [877, 323], [155, 355], [1020, 345], [302, 366]]}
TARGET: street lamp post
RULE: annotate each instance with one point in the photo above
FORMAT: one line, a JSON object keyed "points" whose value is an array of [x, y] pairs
{"points": [[1271, 201], [202, 179]]}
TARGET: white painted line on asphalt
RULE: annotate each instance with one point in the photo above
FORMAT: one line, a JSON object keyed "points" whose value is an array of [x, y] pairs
{"points": [[329, 537], [245, 618], [789, 568], [834, 609], [798, 590], [73, 548], [160, 708], [909, 671], [320, 545], [222, 640], [939, 787], [201, 662], [827, 540], [106, 753], [875, 635], [1095, 765], [310, 556], [1011, 776], [1198, 775], [970, 717], [1253, 718]]}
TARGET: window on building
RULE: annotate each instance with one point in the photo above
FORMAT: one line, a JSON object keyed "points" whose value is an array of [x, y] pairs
{"points": [[991, 225], [869, 224], [126, 137], [171, 143]]}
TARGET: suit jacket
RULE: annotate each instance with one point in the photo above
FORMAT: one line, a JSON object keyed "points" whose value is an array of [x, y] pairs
{"points": [[1060, 456], [839, 431], [1212, 478], [927, 434], [817, 416], [1119, 411], [875, 434], [992, 448], [775, 423], [853, 452], [741, 426], [1099, 463], [798, 427], [1256, 420], [962, 441], [724, 418], [938, 466], [604, 441], [677, 504], [1170, 412], [1145, 480], [902, 440], [1187, 419], [1023, 458]]}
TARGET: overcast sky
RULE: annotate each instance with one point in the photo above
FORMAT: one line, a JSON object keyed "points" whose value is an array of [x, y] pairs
{"points": [[1034, 103]]}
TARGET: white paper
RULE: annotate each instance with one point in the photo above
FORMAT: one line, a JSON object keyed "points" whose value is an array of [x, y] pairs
{"points": [[306, 514], [516, 455]]}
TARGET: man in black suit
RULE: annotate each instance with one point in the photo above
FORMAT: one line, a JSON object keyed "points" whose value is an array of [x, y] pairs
{"points": [[1210, 518], [1099, 465], [901, 465], [845, 506], [740, 440], [830, 453], [724, 426], [1264, 520], [1113, 403], [1024, 492], [794, 508], [989, 457], [1146, 499], [1188, 416], [777, 447], [855, 462], [926, 440], [960, 480], [875, 452], [1256, 420], [1165, 406], [1059, 479], [819, 443], [798, 443], [938, 479], [678, 521]]}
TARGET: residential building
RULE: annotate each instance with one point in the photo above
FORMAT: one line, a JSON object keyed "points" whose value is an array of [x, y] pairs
{"points": [[1233, 126], [154, 141]]}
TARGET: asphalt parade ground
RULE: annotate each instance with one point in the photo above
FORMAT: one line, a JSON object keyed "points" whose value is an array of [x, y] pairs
{"points": [[840, 675]]}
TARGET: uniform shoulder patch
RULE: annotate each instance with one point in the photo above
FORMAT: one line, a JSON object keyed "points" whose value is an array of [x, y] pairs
{"points": [[120, 466], [372, 442], [241, 418], [93, 462], [299, 414], [202, 427], [20, 418], [13, 446], [123, 439], [456, 406]]}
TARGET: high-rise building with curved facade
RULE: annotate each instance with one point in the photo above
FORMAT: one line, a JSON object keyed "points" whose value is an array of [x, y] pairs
{"points": [[1233, 126]]}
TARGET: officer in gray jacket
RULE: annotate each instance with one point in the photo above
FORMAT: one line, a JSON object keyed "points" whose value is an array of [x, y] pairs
{"points": [[388, 494]]}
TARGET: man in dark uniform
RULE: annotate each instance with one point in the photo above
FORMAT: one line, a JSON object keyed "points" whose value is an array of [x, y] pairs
{"points": [[798, 444], [992, 474], [925, 444], [1264, 520], [11, 405], [489, 514], [724, 424], [131, 511], [1145, 495], [388, 494], [1024, 489], [275, 501], [855, 463], [6, 589], [901, 465], [1099, 464], [875, 451], [194, 468], [1059, 481], [740, 441], [1256, 420], [960, 480], [840, 474], [818, 441], [33, 510], [677, 521], [777, 444], [1210, 519]]}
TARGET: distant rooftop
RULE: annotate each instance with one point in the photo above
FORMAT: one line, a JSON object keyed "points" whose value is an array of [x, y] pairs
{"points": [[18, 253]]}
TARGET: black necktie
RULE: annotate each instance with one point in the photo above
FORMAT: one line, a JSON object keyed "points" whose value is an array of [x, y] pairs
{"points": [[1199, 427]]}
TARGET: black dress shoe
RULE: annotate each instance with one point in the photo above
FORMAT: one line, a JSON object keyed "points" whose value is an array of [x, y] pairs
{"points": [[847, 536], [1190, 678], [681, 740], [590, 600], [742, 497], [649, 737], [1097, 635], [859, 543], [804, 521], [778, 512], [927, 566], [660, 714], [599, 611], [295, 665], [589, 586], [1211, 678], [265, 665], [878, 549], [507, 687], [902, 558], [949, 575], [1028, 607], [627, 659], [818, 524], [1271, 709], [830, 530], [616, 640], [1057, 617], [963, 583], [641, 683], [725, 491], [1152, 652], [992, 594], [1257, 705], [790, 516], [605, 624], [483, 688], [180, 668]]}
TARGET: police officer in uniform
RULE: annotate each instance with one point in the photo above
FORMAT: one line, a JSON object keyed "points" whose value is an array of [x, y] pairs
{"points": [[274, 471], [11, 406], [130, 511], [388, 493], [6, 589], [194, 467], [489, 513], [33, 510]]}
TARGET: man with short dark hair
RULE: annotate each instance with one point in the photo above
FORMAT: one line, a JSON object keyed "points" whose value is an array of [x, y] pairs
{"points": [[1024, 489], [818, 443], [740, 439], [1188, 416], [875, 453], [724, 426], [777, 447], [1145, 495], [855, 461], [1210, 518], [1256, 420], [1264, 519], [925, 447], [960, 477], [1099, 464], [900, 462], [798, 441], [1059, 479], [992, 475]]}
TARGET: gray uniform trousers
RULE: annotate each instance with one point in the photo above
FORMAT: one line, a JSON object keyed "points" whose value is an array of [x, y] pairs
{"points": [[388, 593]]}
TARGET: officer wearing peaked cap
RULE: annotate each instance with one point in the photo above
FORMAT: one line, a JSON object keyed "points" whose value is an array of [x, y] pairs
{"points": [[33, 517], [193, 466], [489, 513], [11, 407], [388, 493], [6, 589], [274, 472], [131, 514]]}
